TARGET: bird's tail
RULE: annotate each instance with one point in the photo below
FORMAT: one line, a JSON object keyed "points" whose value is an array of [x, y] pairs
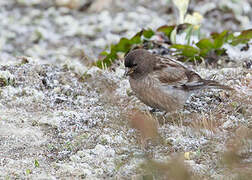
{"points": [[204, 84], [215, 84]]}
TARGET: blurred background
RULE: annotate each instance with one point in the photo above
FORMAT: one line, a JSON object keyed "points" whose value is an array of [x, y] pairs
{"points": [[60, 31]]}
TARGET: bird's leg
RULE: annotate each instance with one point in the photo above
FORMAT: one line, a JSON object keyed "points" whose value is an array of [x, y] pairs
{"points": [[163, 116]]}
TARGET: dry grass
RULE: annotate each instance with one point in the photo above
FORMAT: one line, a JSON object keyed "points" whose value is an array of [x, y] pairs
{"points": [[238, 156], [145, 124], [174, 169], [208, 122]]}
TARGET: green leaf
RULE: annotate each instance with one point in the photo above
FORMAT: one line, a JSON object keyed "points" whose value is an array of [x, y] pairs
{"points": [[99, 64], [205, 44], [36, 163], [104, 63], [189, 32], [219, 52], [247, 34], [136, 39], [186, 50], [173, 36], [220, 38], [107, 61], [104, 53], [203, 52], [28, 171], [148, 33], [230, 37], [243, 38], [123, 45], [166, 30]]}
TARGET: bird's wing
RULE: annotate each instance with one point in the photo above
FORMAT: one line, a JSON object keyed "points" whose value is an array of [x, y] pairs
{"points": [[172, 72], [169, 72]]}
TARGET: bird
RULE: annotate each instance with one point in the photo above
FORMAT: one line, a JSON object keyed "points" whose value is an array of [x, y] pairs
{"points": [[163, 83]]}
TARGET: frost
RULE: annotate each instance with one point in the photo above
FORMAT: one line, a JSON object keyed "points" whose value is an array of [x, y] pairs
{"points": [[72, 118], [235, 53]]}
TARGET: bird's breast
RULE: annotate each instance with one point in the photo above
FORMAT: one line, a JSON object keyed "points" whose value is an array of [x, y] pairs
{"points": [[154, 94]]}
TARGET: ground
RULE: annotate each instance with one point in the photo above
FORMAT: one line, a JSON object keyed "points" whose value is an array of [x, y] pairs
{"points": [[61, 118]]}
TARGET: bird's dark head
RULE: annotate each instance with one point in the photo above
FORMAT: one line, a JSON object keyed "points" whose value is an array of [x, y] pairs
{"points": [[139, 62]]}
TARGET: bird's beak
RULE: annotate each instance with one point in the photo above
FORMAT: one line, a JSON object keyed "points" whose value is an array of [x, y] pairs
{"points": [[129, 71]]}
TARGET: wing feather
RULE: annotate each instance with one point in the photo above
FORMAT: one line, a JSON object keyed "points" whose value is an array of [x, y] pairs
{"points": [[171, 72]]}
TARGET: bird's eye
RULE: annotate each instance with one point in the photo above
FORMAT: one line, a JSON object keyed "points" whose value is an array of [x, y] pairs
{"points": [[131, 65]]}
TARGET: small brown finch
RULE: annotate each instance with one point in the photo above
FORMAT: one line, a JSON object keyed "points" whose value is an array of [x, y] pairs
{"points": [[163, 83]]}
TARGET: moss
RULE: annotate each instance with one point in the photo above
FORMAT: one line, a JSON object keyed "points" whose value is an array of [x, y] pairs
{"points": [[6, 79], [3, 82]]}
